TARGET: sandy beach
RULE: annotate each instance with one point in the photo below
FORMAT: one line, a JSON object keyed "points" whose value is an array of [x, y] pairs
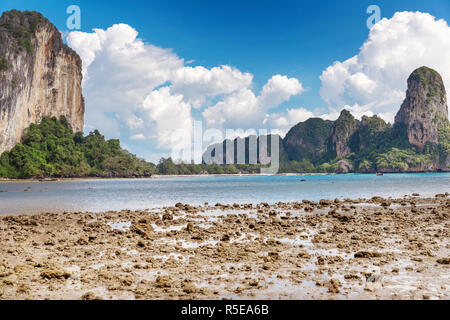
{"points": [[352, 249]]}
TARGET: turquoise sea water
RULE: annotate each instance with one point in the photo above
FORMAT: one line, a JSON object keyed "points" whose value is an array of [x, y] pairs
{"points": [[118, 194]]}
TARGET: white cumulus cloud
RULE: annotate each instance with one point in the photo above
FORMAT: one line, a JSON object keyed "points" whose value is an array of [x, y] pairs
{"points": [[243, 109], [148, 94], [171, 117]]}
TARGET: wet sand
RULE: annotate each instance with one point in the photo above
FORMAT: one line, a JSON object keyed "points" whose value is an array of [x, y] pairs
{"points": [[352, 249]]}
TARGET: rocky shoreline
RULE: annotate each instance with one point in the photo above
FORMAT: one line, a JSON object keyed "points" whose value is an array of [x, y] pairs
{"points": [[332, 249]]}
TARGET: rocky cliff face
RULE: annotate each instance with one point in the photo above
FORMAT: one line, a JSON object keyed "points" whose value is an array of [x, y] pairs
{"points": [[39, 76], [426, 100], [340, 139]]}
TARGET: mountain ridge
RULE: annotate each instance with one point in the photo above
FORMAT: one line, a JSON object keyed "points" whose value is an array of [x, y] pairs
{"points": [[418, 141]]}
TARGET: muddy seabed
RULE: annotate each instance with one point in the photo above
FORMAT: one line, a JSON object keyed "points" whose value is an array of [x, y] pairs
{"points": [[351, 249]]}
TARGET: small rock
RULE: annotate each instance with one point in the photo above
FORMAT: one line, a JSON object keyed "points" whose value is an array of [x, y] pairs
{"points": [[253, 283], [167, 216], [54, 274], [163, 282], [189, 288], [82, 241], [90, 296], [443, 261], [49, 242], [366, 254]]}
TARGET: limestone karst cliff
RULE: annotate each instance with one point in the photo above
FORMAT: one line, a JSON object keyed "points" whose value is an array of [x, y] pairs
{"points": [[426, 100], [40, 76]]}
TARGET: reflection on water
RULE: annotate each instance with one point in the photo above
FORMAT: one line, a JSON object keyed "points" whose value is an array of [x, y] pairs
{"points": [[119, 194]]}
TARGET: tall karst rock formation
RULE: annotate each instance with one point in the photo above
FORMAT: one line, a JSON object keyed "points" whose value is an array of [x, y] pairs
{"points": [[421, 121], [40, 76], [425, 105]]}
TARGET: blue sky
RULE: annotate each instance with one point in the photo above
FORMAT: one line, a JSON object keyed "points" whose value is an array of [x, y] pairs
{"points": [[296, 39]]}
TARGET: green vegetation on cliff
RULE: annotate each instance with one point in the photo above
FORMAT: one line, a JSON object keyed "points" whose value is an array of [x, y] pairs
{"points": [[22, 26], [383, 148], [372, 129], [444, 139], [431, 79], [369, 146], [3, 64], [307, 140], [52, 149]]}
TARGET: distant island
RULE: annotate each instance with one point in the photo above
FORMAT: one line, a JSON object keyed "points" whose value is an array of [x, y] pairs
{"points": [[41, 123]]}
